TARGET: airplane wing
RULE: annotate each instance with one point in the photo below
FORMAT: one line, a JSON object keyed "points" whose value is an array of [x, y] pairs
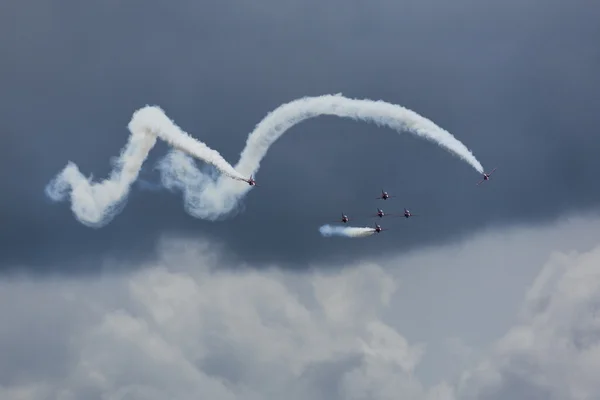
{"points": [[480, 182]]}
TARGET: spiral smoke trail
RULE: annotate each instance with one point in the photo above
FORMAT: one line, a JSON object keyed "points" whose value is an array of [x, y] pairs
{"points": [[207, 195]]}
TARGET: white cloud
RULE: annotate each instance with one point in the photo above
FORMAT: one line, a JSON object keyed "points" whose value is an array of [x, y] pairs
{"points": [[440, 324], [553, 352]]}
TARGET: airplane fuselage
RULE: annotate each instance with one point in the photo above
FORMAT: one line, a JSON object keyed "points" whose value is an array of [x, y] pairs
{"points": [[486, 177]]}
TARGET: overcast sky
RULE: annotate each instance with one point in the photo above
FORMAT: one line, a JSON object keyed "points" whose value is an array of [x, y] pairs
{"points": [[490, 293], [515, 81]]}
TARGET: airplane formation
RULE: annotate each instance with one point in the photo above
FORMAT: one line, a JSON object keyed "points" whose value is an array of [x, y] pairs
{"points": [[380, 213], [406, 214], [384, 196]]}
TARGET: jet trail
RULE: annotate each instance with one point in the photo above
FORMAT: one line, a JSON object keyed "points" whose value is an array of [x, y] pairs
{"points": [[214, 199], [153, 120], [95, 204], [277, 122], [346, 231], [211, 196]]}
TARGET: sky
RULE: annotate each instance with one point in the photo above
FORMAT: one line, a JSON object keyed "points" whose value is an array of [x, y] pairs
{"points": [[515, 81], [489, 293]]}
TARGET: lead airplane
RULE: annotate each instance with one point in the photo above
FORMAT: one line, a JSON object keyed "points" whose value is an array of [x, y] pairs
{"points": [[486, 177], [384, 195]]}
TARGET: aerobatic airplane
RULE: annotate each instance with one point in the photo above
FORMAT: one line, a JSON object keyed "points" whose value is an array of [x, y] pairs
{"points": [[379, 228], [380, 213], [384, 195], [486, 177], [344, 218], [250, 181], [408, 214]]}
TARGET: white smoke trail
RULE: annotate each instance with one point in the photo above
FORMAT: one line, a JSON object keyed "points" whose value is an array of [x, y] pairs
{"points": [[153, 120], [216, 198], [346, 231], [379, 112], [95, 204], [209, 196]]}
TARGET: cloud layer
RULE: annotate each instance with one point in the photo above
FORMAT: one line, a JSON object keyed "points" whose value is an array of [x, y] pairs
{"points": [[553, 352], [186, 326]]}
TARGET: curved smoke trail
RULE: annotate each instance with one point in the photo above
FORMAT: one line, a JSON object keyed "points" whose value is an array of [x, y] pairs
{"points": [[215, 198], [207, 195], [346, 231], [401, 119]]}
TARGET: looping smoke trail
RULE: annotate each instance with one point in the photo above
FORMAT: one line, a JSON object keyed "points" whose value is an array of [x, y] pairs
{"points": [[206, 194], [346, 231], [95, 204]]}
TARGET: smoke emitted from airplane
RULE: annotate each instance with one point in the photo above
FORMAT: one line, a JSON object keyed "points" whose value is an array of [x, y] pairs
{"points": [[209, 195], [95, 204], [346, 231]]}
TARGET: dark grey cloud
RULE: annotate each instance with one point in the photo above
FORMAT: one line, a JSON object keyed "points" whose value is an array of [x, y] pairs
{"points": [[515, 81]]}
